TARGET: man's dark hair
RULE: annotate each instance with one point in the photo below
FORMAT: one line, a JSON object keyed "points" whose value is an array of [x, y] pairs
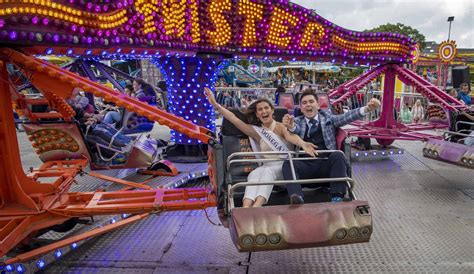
{"points": [[308, 92], [141, 82], [129, 87]]}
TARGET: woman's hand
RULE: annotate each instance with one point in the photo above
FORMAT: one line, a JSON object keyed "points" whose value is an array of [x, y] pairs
{"points": [[309, 148], [210, 97]]}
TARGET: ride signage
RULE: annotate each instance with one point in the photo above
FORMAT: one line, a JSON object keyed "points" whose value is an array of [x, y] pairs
{"points": [[239, 27]]}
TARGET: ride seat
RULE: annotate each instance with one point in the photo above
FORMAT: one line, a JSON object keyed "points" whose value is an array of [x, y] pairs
{"points": [[286, 100], [132, 123], [233, 140], [323, 100], [151, 100]]}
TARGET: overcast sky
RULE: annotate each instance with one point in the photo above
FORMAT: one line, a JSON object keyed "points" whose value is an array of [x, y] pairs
{"points": [[428, 16]]}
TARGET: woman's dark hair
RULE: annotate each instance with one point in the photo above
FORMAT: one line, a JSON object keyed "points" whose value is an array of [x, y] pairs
{"points": [[251, 111]]}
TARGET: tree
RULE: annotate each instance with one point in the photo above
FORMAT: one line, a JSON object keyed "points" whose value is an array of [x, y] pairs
{"points": [[402, 29]]}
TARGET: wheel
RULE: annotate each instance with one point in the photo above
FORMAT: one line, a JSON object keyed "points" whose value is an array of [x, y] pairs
{"points": [[385, 142], [159, 166]]}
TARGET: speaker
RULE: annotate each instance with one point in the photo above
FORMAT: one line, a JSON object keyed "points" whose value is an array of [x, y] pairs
{"points": [[461, 75]]}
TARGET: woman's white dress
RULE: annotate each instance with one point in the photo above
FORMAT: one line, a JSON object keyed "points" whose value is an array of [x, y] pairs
{"points": [[269, 171]]}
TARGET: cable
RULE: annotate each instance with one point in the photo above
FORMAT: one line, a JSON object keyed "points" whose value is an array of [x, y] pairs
{"points": [[209, 219]]}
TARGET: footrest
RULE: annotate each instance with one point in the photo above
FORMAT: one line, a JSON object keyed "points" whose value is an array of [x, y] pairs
{"points": [[300, 226]]}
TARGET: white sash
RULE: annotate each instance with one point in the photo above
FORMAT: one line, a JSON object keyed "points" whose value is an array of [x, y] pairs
{"points": [[272, 140]]}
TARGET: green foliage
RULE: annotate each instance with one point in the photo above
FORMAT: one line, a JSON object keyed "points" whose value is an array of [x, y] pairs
{"points": [[402, 29]]}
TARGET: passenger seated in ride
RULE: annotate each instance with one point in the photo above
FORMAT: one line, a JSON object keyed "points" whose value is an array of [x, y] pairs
{"points": [[470, 139], [79, 101], [319, 127], [98, 133], [114, 116], [142, 90], [266, 135]]}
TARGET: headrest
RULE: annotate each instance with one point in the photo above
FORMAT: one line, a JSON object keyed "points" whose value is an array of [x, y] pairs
{"points": [[228, 129], [286, 100], [323, 100]]}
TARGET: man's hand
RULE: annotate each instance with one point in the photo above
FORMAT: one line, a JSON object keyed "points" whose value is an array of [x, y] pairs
{"points": [[288, 121], [310, 148], [373, 104]]}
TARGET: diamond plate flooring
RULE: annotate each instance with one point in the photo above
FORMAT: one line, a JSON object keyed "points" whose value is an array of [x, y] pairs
{"points": [[423, 213]]}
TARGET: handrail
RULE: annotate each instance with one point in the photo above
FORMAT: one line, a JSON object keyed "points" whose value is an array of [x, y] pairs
{"points": [[289, 153], [231, 190]]}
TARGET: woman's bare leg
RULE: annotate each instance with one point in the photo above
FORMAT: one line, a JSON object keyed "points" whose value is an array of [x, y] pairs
{"points": [[247, 202], [259, 201]]}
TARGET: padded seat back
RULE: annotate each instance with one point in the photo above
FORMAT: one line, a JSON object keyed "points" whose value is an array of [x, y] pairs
{"points": [[132, 123], [233, 140], [286, 100], [323, 100]]}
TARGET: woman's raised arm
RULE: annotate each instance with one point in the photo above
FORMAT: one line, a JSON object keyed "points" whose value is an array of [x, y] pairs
{"points": [[245, 128]]}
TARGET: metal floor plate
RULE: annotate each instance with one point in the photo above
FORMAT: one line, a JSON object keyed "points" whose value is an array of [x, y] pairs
{"points": [[423, 212]]}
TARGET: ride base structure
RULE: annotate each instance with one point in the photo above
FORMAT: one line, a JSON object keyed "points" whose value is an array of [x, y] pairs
{"points": [[386, 129]]}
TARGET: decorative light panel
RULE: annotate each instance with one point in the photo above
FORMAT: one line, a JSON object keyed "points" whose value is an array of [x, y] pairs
{"points": [[142, 28]]}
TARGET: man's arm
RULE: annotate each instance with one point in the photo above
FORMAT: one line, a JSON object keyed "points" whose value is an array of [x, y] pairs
{"points": [[355, 114], [292, 124]]}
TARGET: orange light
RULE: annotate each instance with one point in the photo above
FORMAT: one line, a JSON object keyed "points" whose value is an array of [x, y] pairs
{"points": [[309, 35], [252, 13], [222, 33], [278, 28]]}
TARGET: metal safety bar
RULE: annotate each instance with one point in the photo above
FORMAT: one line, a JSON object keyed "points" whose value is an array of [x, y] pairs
{"points": [[349, 181], [290, 158], [465, 123]]}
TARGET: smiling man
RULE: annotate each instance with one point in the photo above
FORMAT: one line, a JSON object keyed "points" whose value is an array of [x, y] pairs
{"points": [[319, 127]]}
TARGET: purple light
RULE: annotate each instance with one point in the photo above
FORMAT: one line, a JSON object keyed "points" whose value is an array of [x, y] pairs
{"points": [[45, 21], [13, 35], [2, 23], [35, 20], [56, 38]]}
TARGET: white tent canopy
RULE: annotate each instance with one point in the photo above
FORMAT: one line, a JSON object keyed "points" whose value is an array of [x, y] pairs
{"points": [[316, 67]]}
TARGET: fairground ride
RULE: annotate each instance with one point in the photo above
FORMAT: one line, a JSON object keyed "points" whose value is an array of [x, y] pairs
{"points": [[185, 39]]}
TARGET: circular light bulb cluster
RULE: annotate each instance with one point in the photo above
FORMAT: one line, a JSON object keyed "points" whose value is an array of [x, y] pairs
{"points": [[447, 51]]}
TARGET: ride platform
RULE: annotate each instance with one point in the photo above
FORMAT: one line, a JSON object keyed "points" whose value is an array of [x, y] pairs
{"points": [[422, 212], [375, 152]]}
